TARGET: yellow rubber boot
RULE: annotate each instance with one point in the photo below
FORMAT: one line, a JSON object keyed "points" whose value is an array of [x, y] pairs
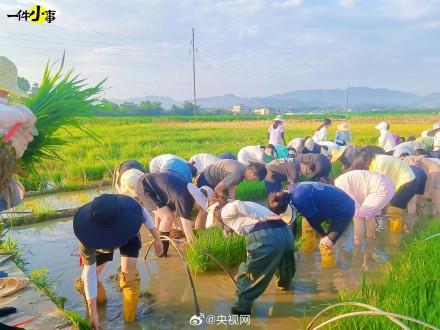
{"points": [[130, 284], [308, 236], [102, 296], [396, 219]]}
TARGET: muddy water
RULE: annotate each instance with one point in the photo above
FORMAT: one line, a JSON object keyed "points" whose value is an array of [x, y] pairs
{"points": [[168, 302]]}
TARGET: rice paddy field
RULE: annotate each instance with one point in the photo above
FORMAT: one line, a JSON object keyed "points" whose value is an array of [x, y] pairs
{"points": [[86, 161], [404, 278]]}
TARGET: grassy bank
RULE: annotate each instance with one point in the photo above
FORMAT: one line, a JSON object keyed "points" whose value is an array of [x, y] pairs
{"points": [[411, 287]]}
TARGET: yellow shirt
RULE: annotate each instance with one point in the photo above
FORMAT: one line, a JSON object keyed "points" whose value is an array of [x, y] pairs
{"points": [[394, 168]]}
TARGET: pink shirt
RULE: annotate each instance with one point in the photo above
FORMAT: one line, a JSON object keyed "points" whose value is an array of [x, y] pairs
{"points": [[276, 134], [370, 191]]}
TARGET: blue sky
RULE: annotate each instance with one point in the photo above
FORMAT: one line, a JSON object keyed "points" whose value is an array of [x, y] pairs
{"points": [[245, 47]]}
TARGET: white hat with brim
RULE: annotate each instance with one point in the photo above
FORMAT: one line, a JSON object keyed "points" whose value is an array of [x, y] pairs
{"points": [[210, 217], [337, 154], [8, 76], [343, 127], [381, 125], [278, 118], [129, 181], [200, 195], [435, 129]]}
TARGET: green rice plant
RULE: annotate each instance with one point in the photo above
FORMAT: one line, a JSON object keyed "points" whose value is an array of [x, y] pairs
{"points": [[60, 100], [251, 191], [230, 251], [410, 287]]}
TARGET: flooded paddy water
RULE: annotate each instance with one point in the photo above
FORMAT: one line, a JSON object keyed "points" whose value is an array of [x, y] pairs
{"points": [[168, 301]]}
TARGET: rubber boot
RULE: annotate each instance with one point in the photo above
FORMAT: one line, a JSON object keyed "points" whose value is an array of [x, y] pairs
{"points": [[102, 296], [166, 243], [396, 219], [130, 284]]}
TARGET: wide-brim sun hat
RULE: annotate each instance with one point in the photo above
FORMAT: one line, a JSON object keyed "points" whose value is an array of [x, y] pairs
{"points": [[200, 195], [108, 222], [337, 154], [129, 180], [210, 216], [8, 76], [435, 129], [278, 118], [343, 127], [382, 125]]}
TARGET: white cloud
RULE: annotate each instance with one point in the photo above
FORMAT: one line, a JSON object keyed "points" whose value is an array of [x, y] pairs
{"points": [[407, 9], [347, 3], [248, 31], [287, 3], [432, 25]]}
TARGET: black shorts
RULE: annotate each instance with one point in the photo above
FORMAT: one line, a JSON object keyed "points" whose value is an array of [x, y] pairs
{"points": [[130, 250], [409, 190]]}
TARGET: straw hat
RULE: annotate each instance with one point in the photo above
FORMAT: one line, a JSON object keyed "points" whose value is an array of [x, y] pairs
{"points": [[129, 180], [278, 118], [343, 127], [8, 76], [337, 154], [382, 126]]}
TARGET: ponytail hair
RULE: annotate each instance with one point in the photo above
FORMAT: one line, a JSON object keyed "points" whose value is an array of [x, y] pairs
{"points": [[326, 122]]}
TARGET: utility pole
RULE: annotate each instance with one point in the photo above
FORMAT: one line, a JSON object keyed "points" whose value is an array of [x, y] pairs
{"points": [[194, 72], [348, 90]]}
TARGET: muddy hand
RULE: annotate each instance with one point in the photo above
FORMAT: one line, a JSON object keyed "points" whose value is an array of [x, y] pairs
{"points": [[326, 243], [158, 247]]}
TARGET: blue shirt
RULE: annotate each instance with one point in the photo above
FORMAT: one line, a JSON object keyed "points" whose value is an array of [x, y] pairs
{"points": [[180, 167], [319, 202]]}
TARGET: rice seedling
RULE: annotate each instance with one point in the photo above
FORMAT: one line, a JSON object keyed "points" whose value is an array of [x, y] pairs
{"points": [[230, 251], [410, 287]]}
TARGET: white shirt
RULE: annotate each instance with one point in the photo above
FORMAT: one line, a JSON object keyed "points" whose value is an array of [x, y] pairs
{"points": [[320, 135], [250, 154], [330, 147], [202, 161], [157, 163], [386, 140], [241, 217], [276, 134]]}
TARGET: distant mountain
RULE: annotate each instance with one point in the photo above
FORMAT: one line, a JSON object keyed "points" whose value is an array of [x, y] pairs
{"points": [[360, 98]]}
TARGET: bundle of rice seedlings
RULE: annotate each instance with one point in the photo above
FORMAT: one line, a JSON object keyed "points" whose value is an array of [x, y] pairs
{"points": [[59, 103]]}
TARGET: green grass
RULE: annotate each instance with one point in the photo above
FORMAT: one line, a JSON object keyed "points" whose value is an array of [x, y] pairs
{"points": [[411, 286], [229, 251]]}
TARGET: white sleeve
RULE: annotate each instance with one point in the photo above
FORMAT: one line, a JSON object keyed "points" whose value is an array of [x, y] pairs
{"points": [[147, 219], [90, 281]]}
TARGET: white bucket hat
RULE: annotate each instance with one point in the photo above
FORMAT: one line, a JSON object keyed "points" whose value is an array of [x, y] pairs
{"points": [[278, 118], [129, 180], [8, 76], [210, 217], [382, 125], [200, 195]]}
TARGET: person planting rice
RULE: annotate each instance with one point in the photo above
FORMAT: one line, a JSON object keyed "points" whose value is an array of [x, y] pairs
{"points": [[327, 147], [279, 170], [269, 245], [17, 129], [317, 202], [171, 163], [275, 133], [225, 175], [304, 146], [202, 161], [408, 183], [168, 195], [108, 223], [371, 193], [343, 135], [314, 166], [386, 139], [122, 168], [322, 131], [406, 148], [256, 154], [432, 170]]}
